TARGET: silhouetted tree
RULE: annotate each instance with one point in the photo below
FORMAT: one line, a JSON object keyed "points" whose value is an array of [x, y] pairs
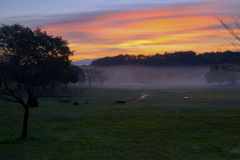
{"points": [[80, 73], [32, 65], [74, 74], [95, 75], [218, 74]]}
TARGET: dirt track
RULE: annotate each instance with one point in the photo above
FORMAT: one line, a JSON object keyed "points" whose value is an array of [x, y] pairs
{"points": [[143, 95]]}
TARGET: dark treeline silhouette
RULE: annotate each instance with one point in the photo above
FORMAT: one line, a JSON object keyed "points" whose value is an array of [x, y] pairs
{"points": [[182, 58]]}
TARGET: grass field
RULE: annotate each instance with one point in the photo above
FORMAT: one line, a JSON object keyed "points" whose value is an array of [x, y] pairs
{"points": [[161, 126]]}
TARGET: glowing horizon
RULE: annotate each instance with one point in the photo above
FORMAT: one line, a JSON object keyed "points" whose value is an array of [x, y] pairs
{"points": [[148, 31]]}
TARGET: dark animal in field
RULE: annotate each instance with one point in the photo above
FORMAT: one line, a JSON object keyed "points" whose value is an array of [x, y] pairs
{"points": [[86, 103], [65, 101], [121, 102], [75, 103]]}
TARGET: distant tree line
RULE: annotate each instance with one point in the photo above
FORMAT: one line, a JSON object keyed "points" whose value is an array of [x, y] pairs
{"points": [[182, 58]]}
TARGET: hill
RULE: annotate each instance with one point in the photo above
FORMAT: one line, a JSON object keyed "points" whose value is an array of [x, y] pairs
{"points": [[182, 58]]}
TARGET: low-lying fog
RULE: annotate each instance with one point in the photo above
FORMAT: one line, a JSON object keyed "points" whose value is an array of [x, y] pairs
{"points": [[154, 77]]}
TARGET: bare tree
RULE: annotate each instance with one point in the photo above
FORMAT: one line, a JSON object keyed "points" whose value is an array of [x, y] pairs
{"points": [[95, 75], [32, 65], [233, 27]]}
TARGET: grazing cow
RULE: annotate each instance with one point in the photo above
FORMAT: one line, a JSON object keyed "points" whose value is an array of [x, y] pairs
{"points": [[75, 103], [121, 102]]}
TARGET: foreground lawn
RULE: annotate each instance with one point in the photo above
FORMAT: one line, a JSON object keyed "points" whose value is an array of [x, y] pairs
{"points": [[161, 126]]}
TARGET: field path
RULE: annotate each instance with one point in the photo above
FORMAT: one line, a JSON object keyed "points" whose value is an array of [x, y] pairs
{"points": [[143, 95]]}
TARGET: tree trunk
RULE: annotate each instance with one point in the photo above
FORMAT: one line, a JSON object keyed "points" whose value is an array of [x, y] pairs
{"points": [[25, 121], [34, 102]]}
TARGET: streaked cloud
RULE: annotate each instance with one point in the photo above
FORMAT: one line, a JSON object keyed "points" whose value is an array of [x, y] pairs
{"points": [[142, 29]]}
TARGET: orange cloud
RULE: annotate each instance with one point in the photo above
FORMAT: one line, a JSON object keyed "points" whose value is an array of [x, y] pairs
{"points": [[146, 31]]}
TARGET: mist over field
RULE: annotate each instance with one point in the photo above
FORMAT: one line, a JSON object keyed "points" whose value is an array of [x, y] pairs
{"points": [[154, 77]]}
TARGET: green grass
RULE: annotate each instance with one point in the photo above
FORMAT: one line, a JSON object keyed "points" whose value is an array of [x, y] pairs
{"points": [[161, 126]]}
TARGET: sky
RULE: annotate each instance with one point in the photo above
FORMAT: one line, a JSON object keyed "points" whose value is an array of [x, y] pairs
{"points": [[100, 28]]}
